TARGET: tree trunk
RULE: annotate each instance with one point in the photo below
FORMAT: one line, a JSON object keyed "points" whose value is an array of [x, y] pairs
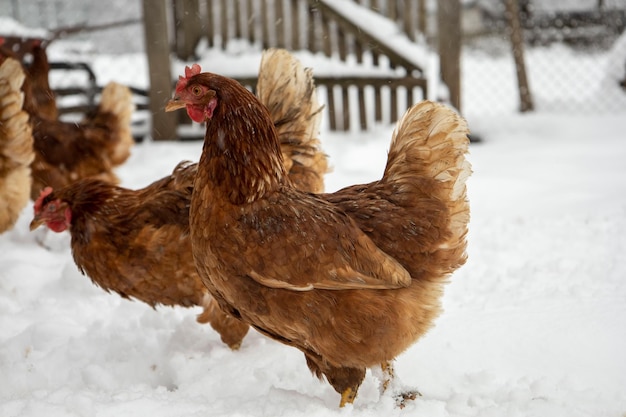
{"points": [[517, 42]]}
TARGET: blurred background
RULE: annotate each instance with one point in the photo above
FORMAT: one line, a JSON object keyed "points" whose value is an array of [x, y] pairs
{"points": [[487, 57]]}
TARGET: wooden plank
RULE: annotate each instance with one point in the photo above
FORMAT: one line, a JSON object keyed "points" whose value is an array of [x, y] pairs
{"points": [[252, 20], [312, 24], [345, 107], [409, 19], [188, 28], [342, 43], [265, 23], [295, 25], [393, 104], [158, 51], [224, 22], [409, 97], [362, 109], [279, 26], [374, 5], [210, 26], [375, 56], [449, 43], [339, 113], [236, 4], [358, 50], [394, 57], [368, 80], [378, 104], [327, 46], [392, 10], [179, 15], [332, 111], [422, 17]]}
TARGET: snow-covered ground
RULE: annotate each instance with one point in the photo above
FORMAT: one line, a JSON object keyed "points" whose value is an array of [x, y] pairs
{"points": [[534, 323]]}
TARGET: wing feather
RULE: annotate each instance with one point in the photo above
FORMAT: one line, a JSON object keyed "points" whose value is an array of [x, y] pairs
{"points": [[302, 243]]}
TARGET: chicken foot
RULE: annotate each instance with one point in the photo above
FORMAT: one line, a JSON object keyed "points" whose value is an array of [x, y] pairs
{"points": [[388, 375], [387, 378], [231, 330]]}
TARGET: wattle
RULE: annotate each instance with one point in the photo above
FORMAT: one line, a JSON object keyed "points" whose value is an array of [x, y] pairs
{"points": [[57, 226], [196, 113]]}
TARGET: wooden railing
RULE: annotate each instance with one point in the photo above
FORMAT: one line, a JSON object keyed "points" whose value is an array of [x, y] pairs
{"points": [[291, 24], [352, 101]]}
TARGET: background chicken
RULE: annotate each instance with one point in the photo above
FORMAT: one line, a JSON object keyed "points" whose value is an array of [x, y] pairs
{"points": [[67, 151], [31, 52], [352, 278], [42, 101], [16, 145], [137, 244]]}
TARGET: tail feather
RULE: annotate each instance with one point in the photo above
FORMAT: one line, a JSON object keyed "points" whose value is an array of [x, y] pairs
{"points": [[16, 145], [428, 148], [117, 99], [12, 74], [287, 89]]}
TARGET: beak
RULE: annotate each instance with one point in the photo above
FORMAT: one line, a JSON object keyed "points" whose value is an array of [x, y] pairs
{"points": [[37, 221], [175, 104]]}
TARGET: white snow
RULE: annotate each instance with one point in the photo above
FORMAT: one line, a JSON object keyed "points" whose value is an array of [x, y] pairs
{"points": [[534, 323], [10, 27], [379, 27]]}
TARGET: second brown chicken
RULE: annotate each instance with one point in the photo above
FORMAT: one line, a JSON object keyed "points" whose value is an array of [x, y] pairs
{"points": [[137, 242]]}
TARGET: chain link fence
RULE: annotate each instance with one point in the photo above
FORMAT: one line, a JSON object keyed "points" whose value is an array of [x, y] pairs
{"points": [[574, 53]]}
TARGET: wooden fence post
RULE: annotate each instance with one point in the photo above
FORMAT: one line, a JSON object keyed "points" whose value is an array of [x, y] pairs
{"points": [[517, 43], [449, 43], [188, 26], [158, 51], [422, 17]]}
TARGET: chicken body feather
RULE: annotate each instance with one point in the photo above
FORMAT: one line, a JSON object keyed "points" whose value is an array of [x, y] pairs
{"points": [[351, 278]]}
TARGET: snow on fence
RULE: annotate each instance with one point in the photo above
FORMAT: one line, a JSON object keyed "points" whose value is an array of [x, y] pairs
{"points": [[377, 42]]}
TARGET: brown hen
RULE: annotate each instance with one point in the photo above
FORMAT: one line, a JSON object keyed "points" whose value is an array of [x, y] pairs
{"points": [[352, 278], [68, 151], [16, 145], [42, 100], [137, 243]]}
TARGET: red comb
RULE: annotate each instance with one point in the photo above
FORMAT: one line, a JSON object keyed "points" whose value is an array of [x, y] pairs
{"points": [[195, 69], [44, 193]]}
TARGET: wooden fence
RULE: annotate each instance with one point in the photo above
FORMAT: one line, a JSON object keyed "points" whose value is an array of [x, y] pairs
{"points": [[352, 101], [291, 24]]}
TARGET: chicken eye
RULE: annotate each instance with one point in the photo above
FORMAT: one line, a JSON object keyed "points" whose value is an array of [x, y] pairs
{"points": [[52, 207], [196, 90]]}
